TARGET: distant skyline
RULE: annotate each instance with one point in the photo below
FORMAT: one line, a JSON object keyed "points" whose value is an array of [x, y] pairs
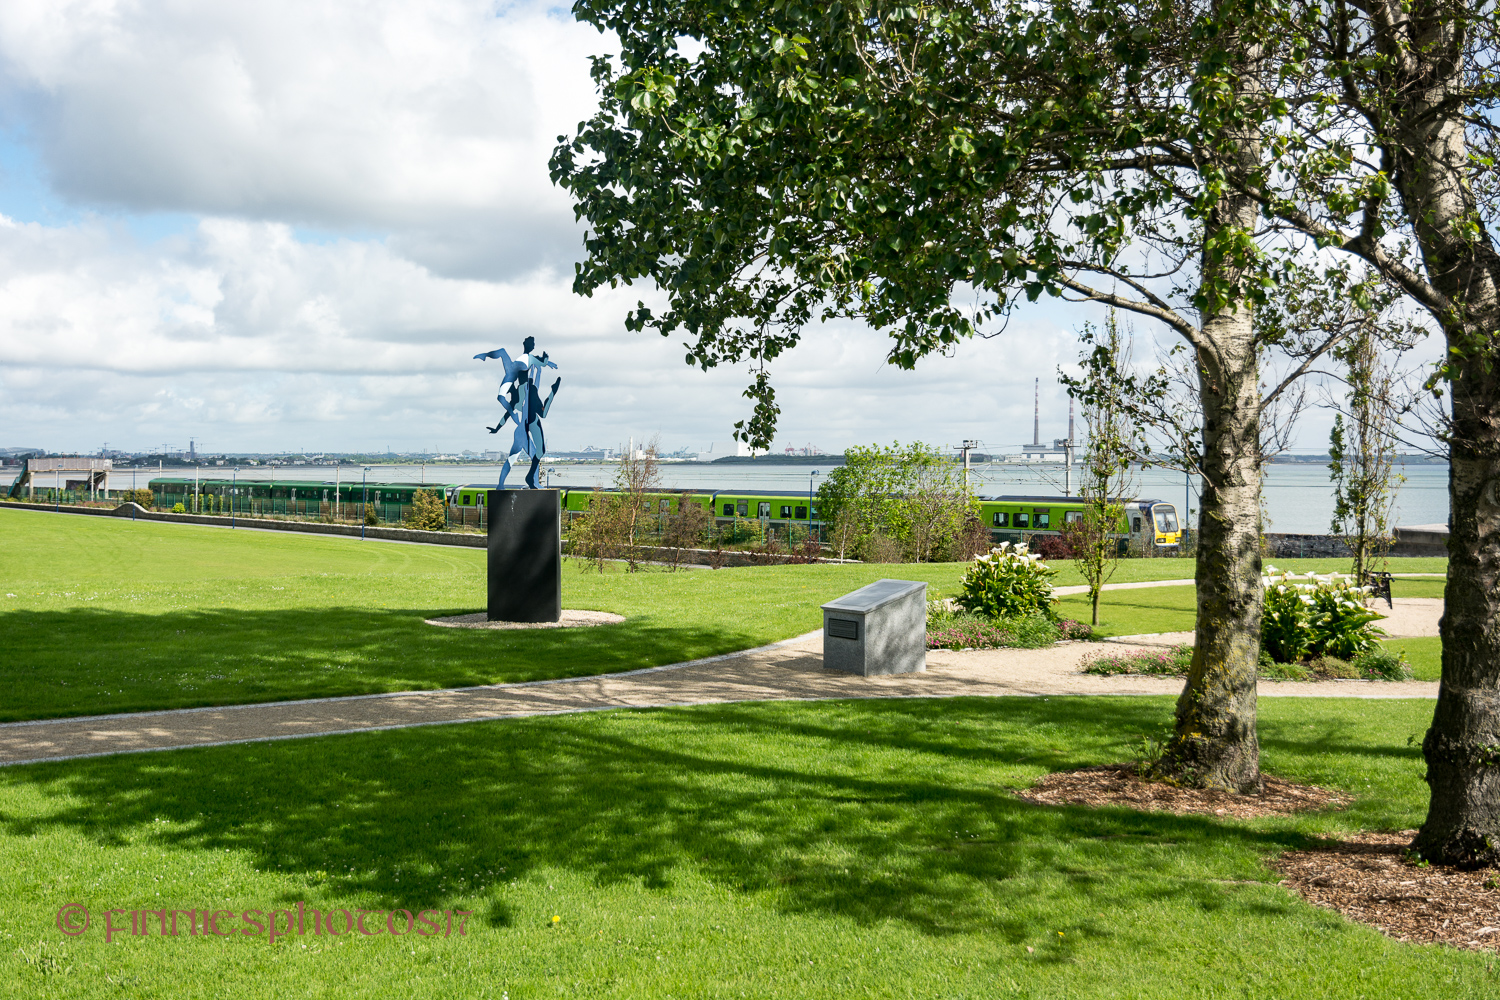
{"points": [[272, 225]]}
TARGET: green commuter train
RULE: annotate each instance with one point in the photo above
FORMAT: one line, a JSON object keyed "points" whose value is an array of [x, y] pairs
{"points": [[288, 496], [1010, 518]]}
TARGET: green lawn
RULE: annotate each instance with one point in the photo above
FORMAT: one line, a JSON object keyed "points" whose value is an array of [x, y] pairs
{"points": [[120, 616], [1425, 656], [1417, 588], [1136, 612], [102, 615], [842, 849]]}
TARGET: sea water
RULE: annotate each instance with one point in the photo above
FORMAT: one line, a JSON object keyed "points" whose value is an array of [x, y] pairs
{"points": [[1298, 497]]}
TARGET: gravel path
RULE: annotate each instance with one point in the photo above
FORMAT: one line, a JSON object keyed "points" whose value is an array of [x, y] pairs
{"points": [[790, 670]]}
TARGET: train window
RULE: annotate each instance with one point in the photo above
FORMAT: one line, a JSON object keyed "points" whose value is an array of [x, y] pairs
{"points": [[762, 509], [1166, 519], [729, 510], [1043, 520], [801, 513], [468, 500], [1135, 526], [665, 505], [1001, 519], [1072, 516], [1020, 519], [743, 508], [786, 510]]}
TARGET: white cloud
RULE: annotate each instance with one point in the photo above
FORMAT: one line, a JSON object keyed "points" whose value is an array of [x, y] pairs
{"points": [[429, 121], [418, 136], [240, 334]]}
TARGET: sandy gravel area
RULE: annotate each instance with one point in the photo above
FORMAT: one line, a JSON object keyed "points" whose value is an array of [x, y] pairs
{"points": [[1412, 617], [569, 619], [787, 670]]}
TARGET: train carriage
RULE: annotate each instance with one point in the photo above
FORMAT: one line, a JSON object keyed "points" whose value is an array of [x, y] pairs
{"points": [[1147, 524], [289, 496]]}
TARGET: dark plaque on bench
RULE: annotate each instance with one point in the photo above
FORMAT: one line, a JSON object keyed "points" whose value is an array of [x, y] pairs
{"points": [[525, 556]]}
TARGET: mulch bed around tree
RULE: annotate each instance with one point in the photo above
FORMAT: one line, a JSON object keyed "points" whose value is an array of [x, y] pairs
{"points": [[1366, 877], [1119, 785]]}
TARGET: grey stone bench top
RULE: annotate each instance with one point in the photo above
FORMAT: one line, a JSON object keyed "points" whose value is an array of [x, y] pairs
{"points": [[876, 595]]}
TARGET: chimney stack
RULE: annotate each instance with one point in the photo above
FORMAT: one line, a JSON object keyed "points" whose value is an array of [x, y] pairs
{"points": [[1036, 416]]}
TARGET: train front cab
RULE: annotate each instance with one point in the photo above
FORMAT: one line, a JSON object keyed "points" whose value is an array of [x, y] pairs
{"points": [[1154, 524]]}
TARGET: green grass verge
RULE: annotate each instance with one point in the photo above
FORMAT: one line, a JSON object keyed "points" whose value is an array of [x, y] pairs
{"points": [[1417, 588], [841, 849], [1425, 656], [115, 616], [1136, 612]]}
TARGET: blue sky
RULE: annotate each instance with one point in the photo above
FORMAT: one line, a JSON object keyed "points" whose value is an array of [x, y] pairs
{"points": [[274, 225]]}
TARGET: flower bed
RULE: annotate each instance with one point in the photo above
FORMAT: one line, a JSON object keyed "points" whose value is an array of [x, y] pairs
{"points": [[949, 629]]}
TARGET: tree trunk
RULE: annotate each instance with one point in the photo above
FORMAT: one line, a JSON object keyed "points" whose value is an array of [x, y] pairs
{"points": [[1215, 744], [1430, 153]]}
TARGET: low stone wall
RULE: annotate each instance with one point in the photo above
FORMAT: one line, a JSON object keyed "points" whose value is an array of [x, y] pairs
{"points": [[138, 512], [1284, 546], [692, 557], [726, 557], [1407, 544], [1421, 540]]}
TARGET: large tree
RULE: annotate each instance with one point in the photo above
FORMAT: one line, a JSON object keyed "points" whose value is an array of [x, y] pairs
{"points": [[770, 164], [1397, 167]]}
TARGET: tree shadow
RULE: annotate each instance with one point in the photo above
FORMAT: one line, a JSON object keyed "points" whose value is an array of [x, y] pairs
{"points": [[85, 661], [872, 811]]}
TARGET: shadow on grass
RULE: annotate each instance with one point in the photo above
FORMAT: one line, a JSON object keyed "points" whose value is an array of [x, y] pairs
{"points": [[871, 811], [84, 662]]}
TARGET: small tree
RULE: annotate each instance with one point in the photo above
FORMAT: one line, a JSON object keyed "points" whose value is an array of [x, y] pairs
{"points": [[1362, 453], [686, 528], [594, 536], [1105, 476], [854, 498], [895, 501], [637, 479], [428, 512], [934, 505]]}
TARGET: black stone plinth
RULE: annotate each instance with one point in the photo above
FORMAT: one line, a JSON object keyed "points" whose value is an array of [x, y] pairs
{"points": [[525, 556]]}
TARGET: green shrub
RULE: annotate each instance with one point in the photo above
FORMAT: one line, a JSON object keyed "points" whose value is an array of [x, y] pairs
{"points": [[877, 547], [963, 630], [1173, 662], [143, 497], [1272, 671], [1383, 665], [1307, 617], [178, 508], [1007, 582], [428, 512], [370, 516], [1332, 668], [737, 532]]}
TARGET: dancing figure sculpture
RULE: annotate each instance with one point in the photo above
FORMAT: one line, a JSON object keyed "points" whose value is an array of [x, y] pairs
{"points": [[523, 406]]}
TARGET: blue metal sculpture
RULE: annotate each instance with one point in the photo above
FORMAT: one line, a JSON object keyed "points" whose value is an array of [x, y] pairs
{"points": [[523, 405]]}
